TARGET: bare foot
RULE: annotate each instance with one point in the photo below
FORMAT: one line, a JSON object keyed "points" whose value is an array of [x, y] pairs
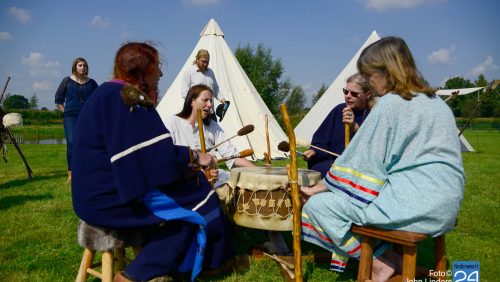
{"points": [[120, 278], [382, 269]]}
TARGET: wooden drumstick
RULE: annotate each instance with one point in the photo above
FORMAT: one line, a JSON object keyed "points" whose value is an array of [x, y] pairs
{"points": [[202, 143], [305, 144], [294, 185], [243, 131], [242, 154]]}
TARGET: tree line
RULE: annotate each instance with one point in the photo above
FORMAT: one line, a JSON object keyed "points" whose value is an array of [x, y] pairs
{"points": [[265, 73]]}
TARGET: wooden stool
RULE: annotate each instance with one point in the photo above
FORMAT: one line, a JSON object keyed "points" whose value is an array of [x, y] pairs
{"points": [[111, 243], [409, 242]]}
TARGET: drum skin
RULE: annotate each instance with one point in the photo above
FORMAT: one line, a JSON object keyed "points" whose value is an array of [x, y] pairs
{"points": [[262, 196]]}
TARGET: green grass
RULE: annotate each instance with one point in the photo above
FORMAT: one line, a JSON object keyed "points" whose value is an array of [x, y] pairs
{"points": [[38, 238]]}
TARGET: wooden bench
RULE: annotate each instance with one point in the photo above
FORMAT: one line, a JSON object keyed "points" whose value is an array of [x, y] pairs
{"points": [[408, 241]]}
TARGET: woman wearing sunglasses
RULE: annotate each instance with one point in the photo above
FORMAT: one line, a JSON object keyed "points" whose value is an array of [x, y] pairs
{"points": [[331, 134]]}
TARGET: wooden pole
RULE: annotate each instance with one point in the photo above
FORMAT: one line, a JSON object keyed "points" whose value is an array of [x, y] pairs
{"points": [[8, 133], [294, 185], [202, 144], [347, 132], [268, 156]]}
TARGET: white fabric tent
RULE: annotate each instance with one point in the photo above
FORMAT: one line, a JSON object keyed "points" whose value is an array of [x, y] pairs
{"points": [[463, 91], [247, 106], [464, 144], [331, 98]]}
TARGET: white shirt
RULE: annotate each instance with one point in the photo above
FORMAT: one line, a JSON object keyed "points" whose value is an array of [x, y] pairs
{"points": [[184, 134], [194, 76]]}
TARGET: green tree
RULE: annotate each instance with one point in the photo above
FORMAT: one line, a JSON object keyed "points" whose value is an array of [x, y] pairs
{"points": [[15, 102], [34, 102], [462, 105], [264, 72], [318, 94], [295, 103], [489, 106]]}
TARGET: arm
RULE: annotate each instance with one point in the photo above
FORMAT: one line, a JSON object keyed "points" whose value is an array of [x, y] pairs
{"points": [[242, 162], [61, 94], [215, 88], [186, 83]]}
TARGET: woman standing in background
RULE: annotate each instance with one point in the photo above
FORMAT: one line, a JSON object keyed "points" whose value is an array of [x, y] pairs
{"points": [[70, 96]]}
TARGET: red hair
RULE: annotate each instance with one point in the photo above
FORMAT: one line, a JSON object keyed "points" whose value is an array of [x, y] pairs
{"points": [[134, 63]]}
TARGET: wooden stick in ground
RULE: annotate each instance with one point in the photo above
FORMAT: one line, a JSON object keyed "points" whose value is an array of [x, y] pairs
{"points": [[268, 155], [202, 143], [294, 185], [280, 260]]}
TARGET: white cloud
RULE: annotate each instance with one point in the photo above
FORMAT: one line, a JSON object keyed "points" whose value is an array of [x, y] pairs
{"points": [[202, 2], [441, 56], [482, 68], [126, 34], [21, 15], [99, 21], [5, 36], [381, 5], [39, 67], [42, 85]]}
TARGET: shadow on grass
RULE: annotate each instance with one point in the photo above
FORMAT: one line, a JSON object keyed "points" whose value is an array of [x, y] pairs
{"points": [[11, 201], [21, 182]]}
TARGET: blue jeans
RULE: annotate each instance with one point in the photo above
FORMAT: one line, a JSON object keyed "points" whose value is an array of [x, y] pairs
{"points": [[69, 131]]}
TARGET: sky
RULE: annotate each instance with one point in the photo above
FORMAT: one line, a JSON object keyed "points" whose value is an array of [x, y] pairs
{"points": [[313, 39]]}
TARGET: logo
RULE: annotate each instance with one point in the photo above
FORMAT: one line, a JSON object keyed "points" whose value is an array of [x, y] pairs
{"points": [[466, 271]]}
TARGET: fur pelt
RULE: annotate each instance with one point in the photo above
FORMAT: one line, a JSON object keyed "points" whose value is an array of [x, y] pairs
{"points": [[101, 239]]}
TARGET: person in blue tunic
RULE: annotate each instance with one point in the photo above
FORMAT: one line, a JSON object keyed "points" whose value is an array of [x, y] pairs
{"points": [[331, 133], [128, 175], [402, 171], [70, 96]]}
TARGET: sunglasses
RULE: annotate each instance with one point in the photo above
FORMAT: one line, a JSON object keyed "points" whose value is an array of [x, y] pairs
{"points": [[353, 94]]}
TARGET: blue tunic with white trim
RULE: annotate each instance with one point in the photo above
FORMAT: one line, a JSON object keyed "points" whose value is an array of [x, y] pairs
{"points": [[127, 173], [402, 171]]}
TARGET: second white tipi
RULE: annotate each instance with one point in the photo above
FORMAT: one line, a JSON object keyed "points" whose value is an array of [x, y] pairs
{"points": [[331, 98], [247, 106]]}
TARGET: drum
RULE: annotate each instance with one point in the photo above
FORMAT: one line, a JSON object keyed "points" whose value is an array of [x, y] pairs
{"points": [[262, 196]]}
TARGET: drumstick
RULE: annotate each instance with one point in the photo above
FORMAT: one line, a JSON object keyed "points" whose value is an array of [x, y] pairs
{"points": [[305, 144], [242, 154], [202, 143], [243, 131], [285, 147]]}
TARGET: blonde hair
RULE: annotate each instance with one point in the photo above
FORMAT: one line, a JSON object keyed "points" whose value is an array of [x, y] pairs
{"points": [[392, 57], [202, 53], [362, 81]]}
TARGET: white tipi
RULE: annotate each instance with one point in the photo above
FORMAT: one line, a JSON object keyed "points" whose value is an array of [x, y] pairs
{"points": [[247, 107], [331, 98]]}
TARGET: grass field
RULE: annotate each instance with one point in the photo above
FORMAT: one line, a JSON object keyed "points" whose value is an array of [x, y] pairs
{"points": [[38, 238]]}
